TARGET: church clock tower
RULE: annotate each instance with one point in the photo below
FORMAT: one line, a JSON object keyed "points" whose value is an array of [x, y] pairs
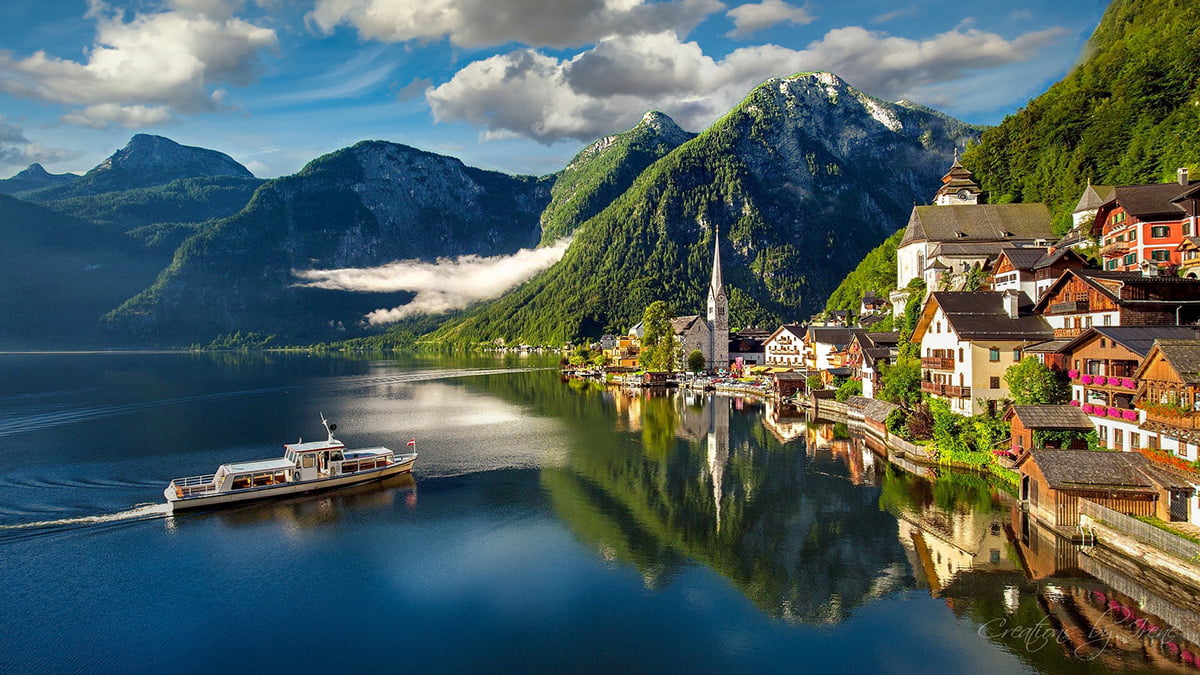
{"points": [[718, 312], [958, 186]]}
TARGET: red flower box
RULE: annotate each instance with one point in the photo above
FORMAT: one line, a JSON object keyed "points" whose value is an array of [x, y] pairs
{"points": [[1114, 413], [1129, 383], [1088, 408], [1129, 415], [1086, 379]]}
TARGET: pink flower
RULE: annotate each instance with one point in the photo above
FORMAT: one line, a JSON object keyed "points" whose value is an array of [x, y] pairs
{"points": [[1128, 383], [1115, 413], [1088, 407], [1086, 379], [1073, 374], [1129, 415], [1075, 403]]}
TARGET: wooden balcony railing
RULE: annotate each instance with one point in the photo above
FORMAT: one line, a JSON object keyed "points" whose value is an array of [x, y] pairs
{"points": [[947, 390], [1114, 249], [1179, 421], [1069, 307], [1067, 332], [937, 362]]}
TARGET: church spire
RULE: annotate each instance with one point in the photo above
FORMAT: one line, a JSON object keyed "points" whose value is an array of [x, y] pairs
{"points": [[716, 287], [718, 311]]}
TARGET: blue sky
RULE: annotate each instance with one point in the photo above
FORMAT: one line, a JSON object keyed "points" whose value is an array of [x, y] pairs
{"points": [[514, 85]]}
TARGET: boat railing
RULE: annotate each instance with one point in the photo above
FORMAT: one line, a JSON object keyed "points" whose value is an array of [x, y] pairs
{"points": [[195, 485]]}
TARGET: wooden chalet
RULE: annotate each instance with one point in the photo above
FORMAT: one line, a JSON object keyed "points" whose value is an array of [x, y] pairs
{"points": [[1053, 482], [1080, 299], [1169, 395], [1033, 269], [1026, 421]]}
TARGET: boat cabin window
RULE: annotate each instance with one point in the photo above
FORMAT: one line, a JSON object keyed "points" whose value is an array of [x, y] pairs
{"points": [[259, 479], [308, 460], [335, 456]]}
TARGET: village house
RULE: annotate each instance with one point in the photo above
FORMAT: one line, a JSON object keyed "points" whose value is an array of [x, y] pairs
{"points": [[1169, 396], [1033, 269], [785, 347], [1083, 298], [624, 353], [871, 304], [968, 340], [1102, 366], [1145, 223], [1053, 482], [746, 347], [1047, 426], [825, 347], [866, 353], [1189, 257]]}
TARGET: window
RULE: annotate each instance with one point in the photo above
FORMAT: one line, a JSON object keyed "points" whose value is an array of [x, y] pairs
{"points": [[994, 354], [1118, 217], [1016, 354], [1117, 440], [1135, 440], [1107, 320], [1160, 231], [1110, 264], [1160, 255], [1128, 259], [993, 383], [1132, 233], [1087, 322], [1102, 343], [308, 461], [960, 355]]}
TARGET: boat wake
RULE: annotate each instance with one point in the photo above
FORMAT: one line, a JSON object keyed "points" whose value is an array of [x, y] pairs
{"points": [[139, 512], [44, 420]]}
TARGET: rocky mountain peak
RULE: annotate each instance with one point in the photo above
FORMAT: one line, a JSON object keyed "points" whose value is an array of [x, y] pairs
{"points": [[164, 159], [34, 170], [664, 127]]}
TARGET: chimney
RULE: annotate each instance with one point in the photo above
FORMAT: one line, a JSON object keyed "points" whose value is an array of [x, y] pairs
{"points": [[1009, 301], [1182, 173]]}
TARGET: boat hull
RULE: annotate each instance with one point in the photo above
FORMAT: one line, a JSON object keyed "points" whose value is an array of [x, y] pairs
{"points": [[175, 504]]}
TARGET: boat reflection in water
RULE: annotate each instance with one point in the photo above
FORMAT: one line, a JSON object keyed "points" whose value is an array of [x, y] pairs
{"points": [[810, 523]]}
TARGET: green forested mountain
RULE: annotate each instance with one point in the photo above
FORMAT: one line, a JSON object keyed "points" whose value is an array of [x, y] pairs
{"points": [[1128, 113], [876, 272], [362, 206], [61, 274], [801, 179], [34, 177], [605, 169]]}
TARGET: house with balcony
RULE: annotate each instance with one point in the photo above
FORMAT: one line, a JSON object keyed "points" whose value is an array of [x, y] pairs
{"points": [[1081, 299], [1033, 269], [1103, 362], [1169, 396], [968, 340], [1142, 224], [866, 353], [825, 347], [784, 348], [1189, 258]]}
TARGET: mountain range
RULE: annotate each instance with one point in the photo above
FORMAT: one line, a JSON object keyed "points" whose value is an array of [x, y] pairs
{"points": [[799, 180]]}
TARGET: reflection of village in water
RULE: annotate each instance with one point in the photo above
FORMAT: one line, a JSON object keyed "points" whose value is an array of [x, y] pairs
{"points": [[810, 523]]}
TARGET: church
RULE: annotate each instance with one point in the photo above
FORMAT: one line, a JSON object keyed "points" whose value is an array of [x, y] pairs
{"points": [[708, 334]]}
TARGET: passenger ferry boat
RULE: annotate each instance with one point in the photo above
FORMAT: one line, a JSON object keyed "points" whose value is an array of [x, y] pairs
{"points": [[304, 467]]}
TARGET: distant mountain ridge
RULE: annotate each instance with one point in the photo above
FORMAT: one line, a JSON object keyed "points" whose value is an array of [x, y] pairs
{"points": [[801, 178], [34, 177]]}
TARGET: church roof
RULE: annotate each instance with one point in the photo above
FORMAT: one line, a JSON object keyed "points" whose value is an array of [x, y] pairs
{"points": [[1094, 196], [978, 222]]}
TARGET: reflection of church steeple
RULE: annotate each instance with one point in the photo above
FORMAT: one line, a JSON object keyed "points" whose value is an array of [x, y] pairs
{"points": [[718, 452]]}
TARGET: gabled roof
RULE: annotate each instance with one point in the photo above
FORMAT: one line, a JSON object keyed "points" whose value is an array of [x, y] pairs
{"points": [[982, 222], [681, 324], [1112, 284], [832, 335], [1089, 469], [1024, 258], [794, 329], [1060, 254], [1094, 197], [1148, 202], [1137, 339], [1182, 355], [1189, 244], [889, 339], [980, 315], [1050, 417]]}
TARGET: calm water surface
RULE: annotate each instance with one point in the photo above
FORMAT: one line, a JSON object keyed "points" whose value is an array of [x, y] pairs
{"points": [[547, 527]]}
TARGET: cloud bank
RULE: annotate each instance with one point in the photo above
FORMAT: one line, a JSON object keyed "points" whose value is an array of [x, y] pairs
{"points": [[748, 19], [17, 150], [142, 71], [439, 286], [482, 23], [526, 93]]}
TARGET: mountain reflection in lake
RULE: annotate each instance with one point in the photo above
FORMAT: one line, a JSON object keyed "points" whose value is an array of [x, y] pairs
{"points": [[549, 526]]}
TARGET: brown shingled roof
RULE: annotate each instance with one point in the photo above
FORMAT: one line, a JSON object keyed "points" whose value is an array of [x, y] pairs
{"points": [[1052, 417], [1151, 202], [980, 315], [983, 222], [1084, 469], [1184, 357]]}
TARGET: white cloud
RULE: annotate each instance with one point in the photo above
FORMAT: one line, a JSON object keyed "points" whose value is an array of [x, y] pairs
{"points": [[17, 150], [894, 14], [751, 18], [538, 23], [529, 94], [439, 286], [141, 70]]}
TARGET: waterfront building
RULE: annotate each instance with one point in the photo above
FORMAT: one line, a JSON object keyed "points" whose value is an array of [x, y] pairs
{"points": [[866, 353], [1169, 396], [1029, 425], [968, 340], [1102, 365], [785, 347], [1053, 482], [1144, 224], [825, 347]]}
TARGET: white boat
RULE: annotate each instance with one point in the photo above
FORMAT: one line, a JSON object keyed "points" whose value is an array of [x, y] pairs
{"points": [[304, 467]]}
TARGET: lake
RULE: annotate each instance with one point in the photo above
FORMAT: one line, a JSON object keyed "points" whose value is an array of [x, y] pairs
{"points": [[548, 527]]}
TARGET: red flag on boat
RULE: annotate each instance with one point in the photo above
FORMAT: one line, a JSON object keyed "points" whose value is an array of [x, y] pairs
{"points": [[412, 442]]}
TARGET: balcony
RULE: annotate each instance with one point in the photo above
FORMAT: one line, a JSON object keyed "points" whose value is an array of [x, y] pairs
{"points": [[1111, 382], [937, 362], [1174, 419], [947, 390], [1070, 307], [1113, 249], [1067, 332]]}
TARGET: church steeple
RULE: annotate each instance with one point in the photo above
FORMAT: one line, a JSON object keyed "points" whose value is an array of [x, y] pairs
{"points": [[958, 186], [718, 311]]}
